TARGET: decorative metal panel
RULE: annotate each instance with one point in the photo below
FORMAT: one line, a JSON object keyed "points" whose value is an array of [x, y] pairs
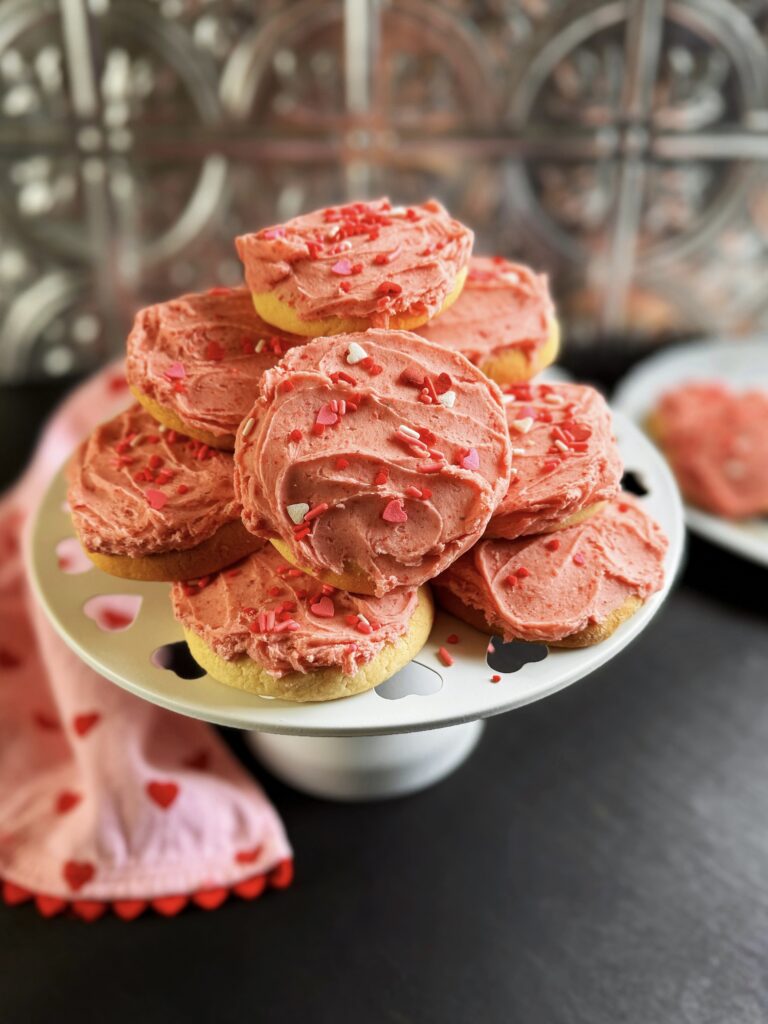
{"points": [[620, 144]]}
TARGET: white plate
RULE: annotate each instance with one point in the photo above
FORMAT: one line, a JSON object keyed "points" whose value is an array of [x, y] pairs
{"points": [[742, 364], [464, 692]]}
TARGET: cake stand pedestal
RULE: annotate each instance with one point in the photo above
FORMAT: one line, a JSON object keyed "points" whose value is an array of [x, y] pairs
{"points": [[407, 734]]}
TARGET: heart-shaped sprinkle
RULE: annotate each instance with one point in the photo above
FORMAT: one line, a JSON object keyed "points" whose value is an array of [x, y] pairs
{"points": [[156, 498], [326, 417], [162, 793], [323, 608], [297, 511], [394, 512], [356, 353], [471, 460], [82, 724], [176, 372], [342, 267], [448, 399], [522, 426], [78, 873]]}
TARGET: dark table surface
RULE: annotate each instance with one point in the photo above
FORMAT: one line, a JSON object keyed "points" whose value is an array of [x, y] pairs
{"points": [[603, 857]]}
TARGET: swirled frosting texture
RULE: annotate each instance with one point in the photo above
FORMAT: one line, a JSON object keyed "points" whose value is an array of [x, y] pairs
{"points": [[716, 441], [503, 305], [565, 457], [136, 489], [399, 481], [202, 356], [367, 260], [284, 620], [547, 587]]}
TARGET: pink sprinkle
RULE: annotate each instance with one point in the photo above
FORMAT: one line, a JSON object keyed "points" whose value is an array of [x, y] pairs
{"points": [[471, 460], [342, 267], [413, 492], [394, 512], [176, 372], [326, 417], [579, 559], [274, 233], [156, 498], [323, 608], [445, 656]]}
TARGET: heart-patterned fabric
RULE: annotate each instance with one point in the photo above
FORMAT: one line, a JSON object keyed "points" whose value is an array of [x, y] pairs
{"points": [[105, 800]]}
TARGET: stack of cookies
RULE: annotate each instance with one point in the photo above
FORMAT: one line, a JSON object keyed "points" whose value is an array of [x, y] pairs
{"points": [[309, 453]]}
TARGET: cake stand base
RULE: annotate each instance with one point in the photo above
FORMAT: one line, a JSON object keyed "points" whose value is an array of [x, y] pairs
{"points": [[366, 767]]}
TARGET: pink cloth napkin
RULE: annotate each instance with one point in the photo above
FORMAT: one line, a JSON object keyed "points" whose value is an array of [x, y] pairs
{"points": [[106, 800]]}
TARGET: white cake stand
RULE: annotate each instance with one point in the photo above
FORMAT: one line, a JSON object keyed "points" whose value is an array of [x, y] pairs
{"points": [[405, 735]]}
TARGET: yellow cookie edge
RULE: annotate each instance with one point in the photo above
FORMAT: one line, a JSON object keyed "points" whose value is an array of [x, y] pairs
{"points": [[323, 684], [512, 366], [586, 637], [354, 582], [229, 544], [169, 419], [284, 317]]}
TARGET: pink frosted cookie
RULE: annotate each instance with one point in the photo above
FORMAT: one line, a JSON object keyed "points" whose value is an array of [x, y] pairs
{"points": [[266, 627], [504, 321], [565, 461], [716, 441], [151, 504], [347, 268], [196, 361], [373, 460], [569, 590]]}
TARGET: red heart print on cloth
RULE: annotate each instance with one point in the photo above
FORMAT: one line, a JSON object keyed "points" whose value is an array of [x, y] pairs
{"points": [[86, 767]]}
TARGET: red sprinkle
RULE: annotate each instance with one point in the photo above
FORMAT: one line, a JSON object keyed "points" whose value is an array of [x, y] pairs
{"points": [[381, 477], [155, 461], [316, 511], [182, 489], [295, 434], [274, 591], [284, 386], [452, 639], [495, 679], [552, 545], [345, 286], [341, 462], [522, 572], [445, 656], [579, 559], [512, 580], [389, 288]]}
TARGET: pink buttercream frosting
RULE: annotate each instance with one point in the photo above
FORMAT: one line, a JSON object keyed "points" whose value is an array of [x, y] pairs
{"points": [[547, 587], [565, 457], [287, 622], [716, 441], [503, 306], [202, 355], [136, 489], [398, 448], [368, 260]]}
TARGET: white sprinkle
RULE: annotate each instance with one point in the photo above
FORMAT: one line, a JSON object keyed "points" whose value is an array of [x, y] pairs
{"points": [[162, 428], [135, 440], [259, 346], [513, 471], [409, 432], [297, 511], [448, 399], [554, 399], [397, 211], [332, 232], [363, 619], [561, 445], [510, 277], [248, 426], [355, 353], [518, 451], [522, 426]]}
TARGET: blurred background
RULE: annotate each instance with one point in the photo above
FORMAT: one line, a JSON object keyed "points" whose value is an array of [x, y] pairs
{"points": [[621, 146]]}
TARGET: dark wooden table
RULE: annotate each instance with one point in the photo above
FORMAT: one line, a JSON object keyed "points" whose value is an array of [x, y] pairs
{"points": [[602, 858]]}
